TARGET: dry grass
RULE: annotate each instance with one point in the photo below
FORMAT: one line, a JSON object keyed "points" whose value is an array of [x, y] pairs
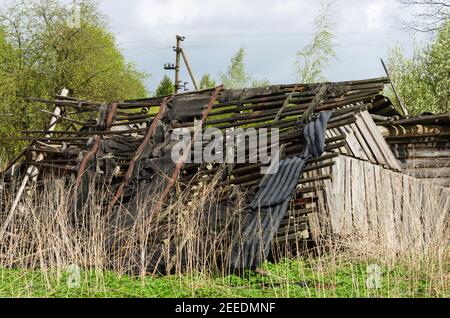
{"points": [[187, 237], [184, 236]]}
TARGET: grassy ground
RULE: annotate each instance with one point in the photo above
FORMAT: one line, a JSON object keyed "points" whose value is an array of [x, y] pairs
{"points": [[299, 278]]}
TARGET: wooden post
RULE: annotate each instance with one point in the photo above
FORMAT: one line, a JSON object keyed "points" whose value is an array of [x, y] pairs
{"points": [[32, 171], [188, 66]]}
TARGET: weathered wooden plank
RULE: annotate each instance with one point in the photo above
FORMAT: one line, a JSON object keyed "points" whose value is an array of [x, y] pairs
{"points": [[365, 138], [335, 195], [386, 153], [348, 208], [313, 219], [337, 132], [373, 143], [416, 213], [388, 210], [322, 203], [358, 197], [328, 207], [397, 194], [380, 202], [406, 215], [371, 197], [356, 150]]}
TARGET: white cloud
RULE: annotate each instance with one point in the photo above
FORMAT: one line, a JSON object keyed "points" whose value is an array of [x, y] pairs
{"points": [[375, 12], [225, 16], [271, 31]]}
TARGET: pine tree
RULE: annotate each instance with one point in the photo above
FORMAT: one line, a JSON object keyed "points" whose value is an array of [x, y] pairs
{"points": [[165, 87]]}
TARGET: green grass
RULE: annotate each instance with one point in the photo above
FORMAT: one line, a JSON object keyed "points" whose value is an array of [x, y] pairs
{"points": [[300, 278]]}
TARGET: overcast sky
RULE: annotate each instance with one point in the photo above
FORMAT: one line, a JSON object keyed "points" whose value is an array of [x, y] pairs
{"points": [[270, 31]]}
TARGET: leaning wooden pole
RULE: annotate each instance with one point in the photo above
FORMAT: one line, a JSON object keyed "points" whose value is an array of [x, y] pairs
{"points": [[402, 106], [188, 66], [32, 170]]}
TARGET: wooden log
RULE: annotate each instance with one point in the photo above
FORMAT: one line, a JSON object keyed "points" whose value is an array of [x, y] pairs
{"points": [[421, 153], [291, 228], [55, 166], [313, 179], [411, 131], [425, 163], [407, 145], [429, 172], [386, 110], [91, 133], [292, 220], [303, 201], [82, 104], [382, 119], [427, 119], [292, 238], [302, 190]]}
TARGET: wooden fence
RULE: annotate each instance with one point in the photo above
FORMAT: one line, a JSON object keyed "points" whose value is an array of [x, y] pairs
{"points": [[402, 211]]}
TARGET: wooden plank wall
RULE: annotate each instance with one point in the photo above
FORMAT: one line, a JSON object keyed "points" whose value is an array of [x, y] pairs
{"points": [[365, 142], [402, 211]]}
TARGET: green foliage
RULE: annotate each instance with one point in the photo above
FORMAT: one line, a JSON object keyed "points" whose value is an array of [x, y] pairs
{"points": [[304, 277], [207, 82], [50, 54], [423, 81], [313, 58], [10, 116], [260, 82], [237, 77], [165, 87]]}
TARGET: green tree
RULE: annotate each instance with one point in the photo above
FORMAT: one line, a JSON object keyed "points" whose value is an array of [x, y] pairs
{"points": [[165, 87], [10, 119], [52, 54], [313, 58], [207, 82], [236, 76], [423, 81]]}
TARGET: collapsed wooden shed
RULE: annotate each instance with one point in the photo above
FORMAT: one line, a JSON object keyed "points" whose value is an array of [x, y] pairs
{"points": [[357, 184]]}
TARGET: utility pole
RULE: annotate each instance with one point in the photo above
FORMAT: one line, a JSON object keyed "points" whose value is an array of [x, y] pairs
{"points": [[168, 66], [177, 49]]}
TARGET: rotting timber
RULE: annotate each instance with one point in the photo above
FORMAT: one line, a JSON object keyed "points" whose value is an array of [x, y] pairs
{"points": [[126, 146]]}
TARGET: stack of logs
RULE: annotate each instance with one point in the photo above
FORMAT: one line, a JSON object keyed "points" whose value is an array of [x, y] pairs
{"points": [[421, 144]]}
